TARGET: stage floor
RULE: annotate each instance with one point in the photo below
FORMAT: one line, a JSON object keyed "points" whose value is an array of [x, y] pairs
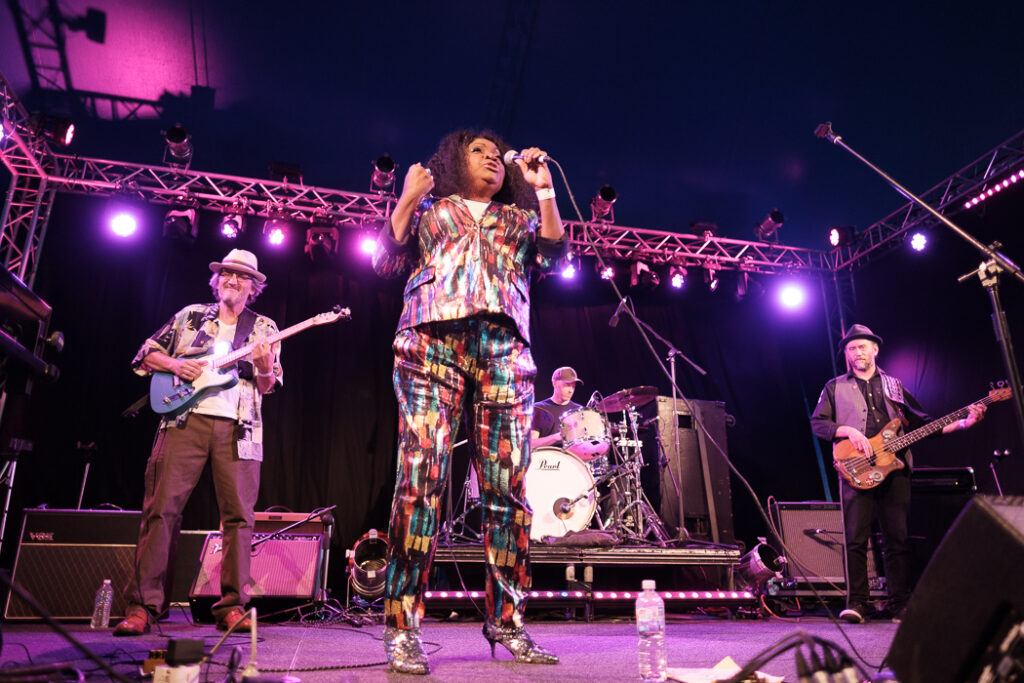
{"points": [[602, 650]]}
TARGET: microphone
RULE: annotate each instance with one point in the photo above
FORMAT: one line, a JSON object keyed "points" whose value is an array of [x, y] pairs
{"points": [[814, 532], [824, 130], [564, 508], [512, 155], [614, 320]]}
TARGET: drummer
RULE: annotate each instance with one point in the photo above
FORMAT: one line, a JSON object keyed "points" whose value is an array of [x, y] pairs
{"points": [[546, 429]]}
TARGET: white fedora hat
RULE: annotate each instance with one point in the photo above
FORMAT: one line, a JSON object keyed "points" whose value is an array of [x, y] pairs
{"points": [[242, 261]]}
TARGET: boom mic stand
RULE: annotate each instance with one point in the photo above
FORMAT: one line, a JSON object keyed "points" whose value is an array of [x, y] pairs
{"points": [[993, 266]]}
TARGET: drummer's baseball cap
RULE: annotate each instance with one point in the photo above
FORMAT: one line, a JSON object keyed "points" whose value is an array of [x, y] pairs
{"points": [[565, 374]]}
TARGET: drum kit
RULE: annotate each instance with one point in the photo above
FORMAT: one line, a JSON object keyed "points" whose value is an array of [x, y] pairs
{"points": [[593, 480]]}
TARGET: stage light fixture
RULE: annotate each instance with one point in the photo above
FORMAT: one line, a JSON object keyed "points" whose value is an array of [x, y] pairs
{"points": [[706, 228], [677, 276], [641, 275], [383, 176], [842, 236], [178, 145], [368, 244], [767, 230], [180, 225], [93, 23], [232, 225], [601, 205], [792, 296], [275, 228], [321, 242], [606, 272], [124, 212], [711, 277], [58, 130], [918, 241], [998, 187], [367, 564], [757, 567]]}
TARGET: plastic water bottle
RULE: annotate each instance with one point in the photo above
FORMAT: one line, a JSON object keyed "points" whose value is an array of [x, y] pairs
{"points": [[650, 625], [101, 609]]}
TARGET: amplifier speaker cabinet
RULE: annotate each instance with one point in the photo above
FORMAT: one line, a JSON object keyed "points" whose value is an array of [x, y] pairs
{"points": [[699, 470], [284, 570], [63, 557], [813, 533]]}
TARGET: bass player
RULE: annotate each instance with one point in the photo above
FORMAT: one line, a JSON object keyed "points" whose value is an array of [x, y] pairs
{"points": [[863, 401]]}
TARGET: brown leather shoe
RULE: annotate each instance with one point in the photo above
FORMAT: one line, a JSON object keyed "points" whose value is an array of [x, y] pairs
{"points": [[235, 616], [136, 623]]}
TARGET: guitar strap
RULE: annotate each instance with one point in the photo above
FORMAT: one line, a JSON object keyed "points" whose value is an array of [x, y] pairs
{"points": [[244, 327]]}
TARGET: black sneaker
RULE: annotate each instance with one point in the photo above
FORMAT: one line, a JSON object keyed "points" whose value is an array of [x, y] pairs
{"points": [[855, 614]]}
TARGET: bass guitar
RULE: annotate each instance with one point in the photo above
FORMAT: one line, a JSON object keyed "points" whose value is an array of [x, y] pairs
{"points": [[866, 472], [171, 395]]}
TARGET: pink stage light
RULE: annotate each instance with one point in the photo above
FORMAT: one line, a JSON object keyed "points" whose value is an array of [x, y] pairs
{"points": [[792, 296], [607, 273], [275, 237], [123, 224], [569, 271], [368, 245], [918, 241]]}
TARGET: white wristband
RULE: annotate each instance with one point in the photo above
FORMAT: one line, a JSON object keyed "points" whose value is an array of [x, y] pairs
{"points": [[546, 193]]}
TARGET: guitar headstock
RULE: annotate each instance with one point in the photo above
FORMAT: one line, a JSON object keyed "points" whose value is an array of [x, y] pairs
{"points": [[336, 313], [1000, 391]]}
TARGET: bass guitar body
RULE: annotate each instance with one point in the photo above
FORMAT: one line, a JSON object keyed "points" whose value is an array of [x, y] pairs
{"points": [[866, 472]]}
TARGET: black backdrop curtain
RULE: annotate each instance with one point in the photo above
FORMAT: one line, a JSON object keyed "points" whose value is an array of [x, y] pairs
{"points": [[330, 430]]}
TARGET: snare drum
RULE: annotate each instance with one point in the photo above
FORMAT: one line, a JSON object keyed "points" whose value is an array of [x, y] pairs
{"points": [[553, 481], [584, 433]]}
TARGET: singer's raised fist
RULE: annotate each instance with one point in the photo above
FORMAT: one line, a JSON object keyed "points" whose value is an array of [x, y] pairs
{"points": [[418, 182]]}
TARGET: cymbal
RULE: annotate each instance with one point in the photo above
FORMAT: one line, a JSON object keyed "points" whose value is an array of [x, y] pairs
{"points": [[621, 400]]}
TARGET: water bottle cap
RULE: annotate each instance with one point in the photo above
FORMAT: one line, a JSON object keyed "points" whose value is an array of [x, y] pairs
{"points": [[106, 580], [648, 584]]}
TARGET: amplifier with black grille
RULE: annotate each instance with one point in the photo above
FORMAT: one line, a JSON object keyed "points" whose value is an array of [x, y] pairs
{"points": [[64, 555], [813, 534], [285, 569]]}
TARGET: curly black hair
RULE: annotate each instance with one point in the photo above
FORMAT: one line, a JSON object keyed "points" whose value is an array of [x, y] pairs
{"points": [[448, 165]]}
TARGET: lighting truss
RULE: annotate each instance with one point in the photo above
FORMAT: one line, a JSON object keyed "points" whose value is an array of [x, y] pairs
{"points": [[947, 198]]}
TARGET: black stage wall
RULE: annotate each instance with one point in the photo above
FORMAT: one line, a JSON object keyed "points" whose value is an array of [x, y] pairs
{"points": [[330, 431]]}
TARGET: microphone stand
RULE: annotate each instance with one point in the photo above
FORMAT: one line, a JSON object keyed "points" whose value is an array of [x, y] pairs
{"points": [[673, 352], [995, 264]]}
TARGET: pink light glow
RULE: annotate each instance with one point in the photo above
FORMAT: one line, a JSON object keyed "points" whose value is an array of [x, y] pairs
{"points": [[607, 273], [569, 272], [792, 296], [368, 245], [123, 224], [275, 237], [918, 241]]}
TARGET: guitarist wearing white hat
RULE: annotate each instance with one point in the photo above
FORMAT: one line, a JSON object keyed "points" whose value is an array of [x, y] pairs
{"points": [[221, 423], [873, 478]]}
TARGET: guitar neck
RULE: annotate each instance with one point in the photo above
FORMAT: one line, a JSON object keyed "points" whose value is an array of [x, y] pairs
{"points": [[241, 353], [904, 441]]}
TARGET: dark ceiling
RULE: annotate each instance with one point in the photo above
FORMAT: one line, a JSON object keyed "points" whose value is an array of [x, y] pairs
{"points": [[690, 110]]}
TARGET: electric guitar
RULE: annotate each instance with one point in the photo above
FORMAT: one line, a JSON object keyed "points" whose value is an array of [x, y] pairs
{"points": [[171, 395], [866, 472]]}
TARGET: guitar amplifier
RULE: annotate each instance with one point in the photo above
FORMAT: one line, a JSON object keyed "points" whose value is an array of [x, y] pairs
{"points": [[285, 566], [64, 556]]}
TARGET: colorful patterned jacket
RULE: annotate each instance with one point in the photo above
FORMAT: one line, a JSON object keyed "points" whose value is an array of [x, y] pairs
{"points": [[192, 331], [461, 268]]}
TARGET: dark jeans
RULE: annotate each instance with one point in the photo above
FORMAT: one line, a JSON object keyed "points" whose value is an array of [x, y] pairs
{"points": [[890, 500], [177, 460]]}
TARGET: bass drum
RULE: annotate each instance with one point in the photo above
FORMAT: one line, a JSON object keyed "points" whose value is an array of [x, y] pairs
{"points": [[553, 481]]}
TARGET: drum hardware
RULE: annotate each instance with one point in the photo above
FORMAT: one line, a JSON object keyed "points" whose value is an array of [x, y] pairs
{"points": [[585, 433], [458, 530], [560, 490]]}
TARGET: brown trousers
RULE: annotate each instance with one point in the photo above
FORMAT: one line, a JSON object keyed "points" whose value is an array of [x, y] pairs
{"points": [[174, 467]]}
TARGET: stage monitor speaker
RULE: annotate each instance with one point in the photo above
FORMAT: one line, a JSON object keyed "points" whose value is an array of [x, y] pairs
{"points": [[63, 557], [938, 495], [286, 566], [699, 471], [968, 596], [813, 534]]}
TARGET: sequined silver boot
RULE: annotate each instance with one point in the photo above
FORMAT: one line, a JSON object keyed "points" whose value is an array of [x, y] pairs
{"points": [[405, 651]]}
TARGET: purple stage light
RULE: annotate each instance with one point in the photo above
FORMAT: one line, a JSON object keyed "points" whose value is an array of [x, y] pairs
{"points": [[678, 280], [792, 296], [918, 241], [607, 273], [569, 271], [368, 245], [275, 236], [123, 224]]}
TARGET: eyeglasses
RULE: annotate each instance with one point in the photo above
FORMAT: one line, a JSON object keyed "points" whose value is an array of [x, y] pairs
{"points": [[241, 277]]}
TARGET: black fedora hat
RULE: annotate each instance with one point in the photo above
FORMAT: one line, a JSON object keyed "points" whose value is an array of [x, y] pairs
{"points": [[858, 332]]}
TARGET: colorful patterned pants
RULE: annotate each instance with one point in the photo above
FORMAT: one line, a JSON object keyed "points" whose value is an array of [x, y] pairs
{"points": [[437, 366]]}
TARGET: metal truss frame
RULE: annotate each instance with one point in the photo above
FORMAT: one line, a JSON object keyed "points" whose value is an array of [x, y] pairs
{"points": [[947, 198]]}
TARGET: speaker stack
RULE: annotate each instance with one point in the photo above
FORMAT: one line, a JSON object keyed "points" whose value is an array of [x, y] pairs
{"points": [[64, 556]]}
